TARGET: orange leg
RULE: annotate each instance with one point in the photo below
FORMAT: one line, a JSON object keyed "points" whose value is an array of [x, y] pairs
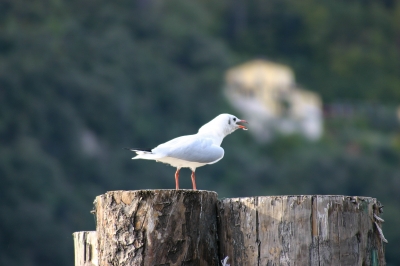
{"points": [[194, 181], [177, 178]]}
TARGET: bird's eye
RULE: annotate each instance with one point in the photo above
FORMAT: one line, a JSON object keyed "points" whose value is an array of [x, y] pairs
{"points": [[234, 119]]}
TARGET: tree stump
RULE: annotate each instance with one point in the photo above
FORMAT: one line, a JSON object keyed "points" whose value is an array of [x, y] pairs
{"points": [[157, 227], [179, 227], [301, 230], [85, 245]]}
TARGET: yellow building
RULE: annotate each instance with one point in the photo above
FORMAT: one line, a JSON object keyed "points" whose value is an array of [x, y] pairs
{"points": [[266, 92], [261, 79]]}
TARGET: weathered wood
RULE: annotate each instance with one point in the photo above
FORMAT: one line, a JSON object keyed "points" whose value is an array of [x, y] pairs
{"points": [[85, 244], [297, 210], [157, 227], [300, 230], [170, 227]]}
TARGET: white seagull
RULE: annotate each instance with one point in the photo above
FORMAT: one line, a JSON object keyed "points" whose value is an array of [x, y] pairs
{"points": [[196, 150]]}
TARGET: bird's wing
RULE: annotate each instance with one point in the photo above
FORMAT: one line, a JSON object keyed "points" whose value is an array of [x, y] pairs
{"points": [[191, 148]]}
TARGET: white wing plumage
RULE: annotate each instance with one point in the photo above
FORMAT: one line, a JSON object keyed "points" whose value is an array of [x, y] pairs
{"points": [[191, 148]]}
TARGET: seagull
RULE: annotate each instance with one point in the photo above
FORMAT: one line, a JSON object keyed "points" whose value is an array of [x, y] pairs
{"points": [[192, 151]]}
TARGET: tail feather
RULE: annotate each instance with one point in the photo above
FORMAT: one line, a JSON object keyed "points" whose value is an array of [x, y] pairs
{"points": [[138, 149], [145, 154]]}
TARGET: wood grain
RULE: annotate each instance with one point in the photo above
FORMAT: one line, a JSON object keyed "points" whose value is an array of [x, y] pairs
{"points": [[300, 230], [85, 245]]}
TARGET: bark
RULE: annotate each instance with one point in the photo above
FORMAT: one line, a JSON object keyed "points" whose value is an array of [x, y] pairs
{"points": [[157, 227], [301, 230]]}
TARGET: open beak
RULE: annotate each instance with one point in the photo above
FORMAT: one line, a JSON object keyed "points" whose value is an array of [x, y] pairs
{"points": [[241, 126]]}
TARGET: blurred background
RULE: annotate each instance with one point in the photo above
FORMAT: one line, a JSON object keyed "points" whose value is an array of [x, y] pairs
{"points": [[319, 82]]}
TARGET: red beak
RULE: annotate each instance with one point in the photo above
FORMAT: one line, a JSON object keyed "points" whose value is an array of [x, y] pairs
{"points": [[241, 126]]}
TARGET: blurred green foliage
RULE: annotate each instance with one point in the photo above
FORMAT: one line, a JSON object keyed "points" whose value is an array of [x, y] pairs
{"points": [[79, 80]]}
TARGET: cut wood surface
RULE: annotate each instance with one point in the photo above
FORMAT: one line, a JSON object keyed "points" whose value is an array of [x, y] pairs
{"points": [[300, 230], [85, 245], [157, 227]]}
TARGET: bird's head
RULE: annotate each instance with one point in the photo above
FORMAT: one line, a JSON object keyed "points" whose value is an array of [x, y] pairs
{"points": [[234, 122], [225, 123]]}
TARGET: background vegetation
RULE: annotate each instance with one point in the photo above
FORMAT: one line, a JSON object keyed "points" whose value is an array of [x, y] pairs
{"points": [[79, 80]]}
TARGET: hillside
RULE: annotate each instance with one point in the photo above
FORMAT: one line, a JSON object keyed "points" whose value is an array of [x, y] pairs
{"points": [[81, 80]]}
